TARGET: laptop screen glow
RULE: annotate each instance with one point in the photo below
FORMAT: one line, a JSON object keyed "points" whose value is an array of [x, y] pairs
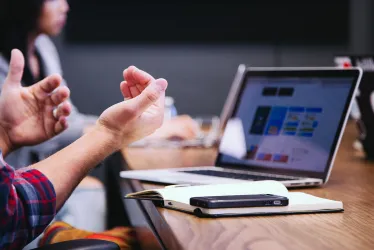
{"points": [[286, 123]]}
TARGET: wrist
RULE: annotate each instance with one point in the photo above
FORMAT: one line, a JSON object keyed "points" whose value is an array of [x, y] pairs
{"points": [[106, 138], [5, 143]]}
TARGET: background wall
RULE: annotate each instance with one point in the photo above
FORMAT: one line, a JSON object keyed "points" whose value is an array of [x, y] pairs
{"points": [[199, 76]]}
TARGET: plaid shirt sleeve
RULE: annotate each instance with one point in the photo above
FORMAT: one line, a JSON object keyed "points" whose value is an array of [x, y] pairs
{"points": [[27, 205]]}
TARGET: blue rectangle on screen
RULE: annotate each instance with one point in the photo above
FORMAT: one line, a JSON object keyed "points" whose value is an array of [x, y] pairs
{"points": [[276, 118], [277, 157], [292, 124], [296, 109], [314, 110], [306, 134], [315, 124], [261, 156], [289, 133]]}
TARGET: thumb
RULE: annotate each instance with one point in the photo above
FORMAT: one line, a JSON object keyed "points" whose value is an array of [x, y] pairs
{"points": [[16, 65], [149, 96]]}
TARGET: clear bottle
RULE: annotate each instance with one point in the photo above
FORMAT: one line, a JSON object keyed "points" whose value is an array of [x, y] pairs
{"points": [[170, 109]]}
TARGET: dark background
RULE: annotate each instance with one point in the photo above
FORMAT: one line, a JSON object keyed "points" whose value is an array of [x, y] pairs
{"points": [[197, 47], [236, 22]]}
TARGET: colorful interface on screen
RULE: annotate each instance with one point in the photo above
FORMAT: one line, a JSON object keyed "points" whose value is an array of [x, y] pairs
{"points": [[289, 123]]}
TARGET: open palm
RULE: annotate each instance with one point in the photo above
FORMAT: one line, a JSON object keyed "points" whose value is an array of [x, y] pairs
{"points": [[27, 113], [142, 112]]}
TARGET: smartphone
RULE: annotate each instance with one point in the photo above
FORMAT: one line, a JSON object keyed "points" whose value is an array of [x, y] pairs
{"points": [[235, 201]]}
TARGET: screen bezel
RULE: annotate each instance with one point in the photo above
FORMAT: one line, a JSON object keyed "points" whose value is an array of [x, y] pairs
{"points": [[353, 72]]}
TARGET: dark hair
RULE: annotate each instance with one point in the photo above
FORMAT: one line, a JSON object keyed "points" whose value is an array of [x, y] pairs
{"points": [[18, 18]]}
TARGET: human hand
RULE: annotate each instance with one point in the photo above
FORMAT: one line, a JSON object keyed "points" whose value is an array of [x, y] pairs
{"points": [[181, 127], [26, 113], [142, 111]]}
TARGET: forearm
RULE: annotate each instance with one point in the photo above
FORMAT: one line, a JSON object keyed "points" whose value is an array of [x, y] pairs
{"points": [[68, 167]]}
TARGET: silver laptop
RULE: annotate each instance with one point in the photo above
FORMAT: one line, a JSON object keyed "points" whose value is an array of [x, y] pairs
{"points": [[285, 124], [231, 97]]}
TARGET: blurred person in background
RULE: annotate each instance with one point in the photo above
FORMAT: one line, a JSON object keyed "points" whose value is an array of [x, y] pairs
{"points": [[28, 25]]}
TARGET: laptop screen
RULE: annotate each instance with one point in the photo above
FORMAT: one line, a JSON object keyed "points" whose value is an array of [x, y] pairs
{"points": [[289, 123]]}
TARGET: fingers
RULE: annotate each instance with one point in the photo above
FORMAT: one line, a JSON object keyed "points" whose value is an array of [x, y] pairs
{"points": [[129, 91], [61, 114], [62, 110], [136, 81], [16, 66], [125, 90], [128, 76], [60, 95], [45, 87], [151, 94], [134, 91], [61, 125], [136, 76]]}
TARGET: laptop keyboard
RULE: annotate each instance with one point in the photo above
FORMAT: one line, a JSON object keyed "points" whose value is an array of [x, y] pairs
{"points": [[232, 175]]}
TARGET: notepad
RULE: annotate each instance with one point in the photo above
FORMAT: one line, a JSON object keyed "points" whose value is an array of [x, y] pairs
{"points": [[178, 197]]}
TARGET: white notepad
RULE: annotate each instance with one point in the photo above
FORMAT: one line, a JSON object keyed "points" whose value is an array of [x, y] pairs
{"points": [[178, 197]]}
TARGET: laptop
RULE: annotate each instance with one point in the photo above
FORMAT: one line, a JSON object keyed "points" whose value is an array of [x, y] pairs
{"points": [[363, 103], [285, 125], [231, 97]]}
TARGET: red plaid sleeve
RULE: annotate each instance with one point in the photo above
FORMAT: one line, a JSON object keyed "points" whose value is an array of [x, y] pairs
{"points": [[27, 205]]}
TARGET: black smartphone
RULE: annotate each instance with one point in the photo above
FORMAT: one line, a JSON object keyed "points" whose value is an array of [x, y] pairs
{"points": [[235, 201]]}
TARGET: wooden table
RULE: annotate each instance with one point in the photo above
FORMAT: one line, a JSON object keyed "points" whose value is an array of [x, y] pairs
{"points": [[351, 181]]}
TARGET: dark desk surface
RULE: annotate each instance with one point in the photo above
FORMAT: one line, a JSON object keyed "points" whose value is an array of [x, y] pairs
{"points": [[351, 181]]}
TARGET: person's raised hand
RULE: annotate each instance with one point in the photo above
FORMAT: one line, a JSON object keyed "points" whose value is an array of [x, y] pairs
{"points": [[142, 111], [31, 115], [181, 127]]}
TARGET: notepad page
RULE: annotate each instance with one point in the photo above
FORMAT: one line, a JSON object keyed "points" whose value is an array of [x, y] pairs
{"points": [[299, 201], [183, 194]]}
